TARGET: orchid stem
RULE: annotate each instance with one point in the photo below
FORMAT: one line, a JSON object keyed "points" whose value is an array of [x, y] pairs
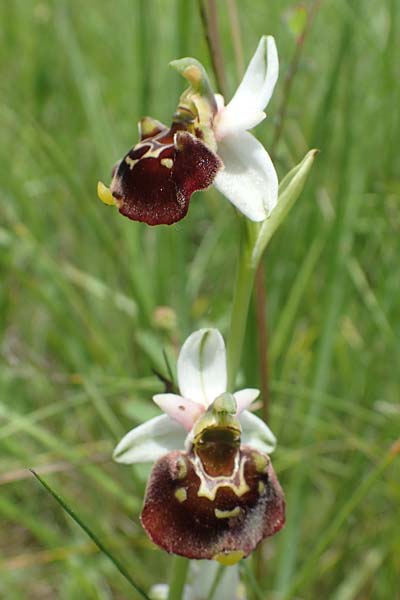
{"points": [[240, 307], [179, 573]]}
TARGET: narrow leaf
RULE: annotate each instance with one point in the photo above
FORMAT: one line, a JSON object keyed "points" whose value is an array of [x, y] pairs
{"points": [[289, 190], [92, 535]]}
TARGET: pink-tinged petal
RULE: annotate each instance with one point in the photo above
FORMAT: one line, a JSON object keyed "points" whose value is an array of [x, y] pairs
{"points": [[256, 433], [180, 409], [188, 512], [244, 398], [220, 102], [248, 179], [245, 110], [149, 441], [153, 183], [202, 367]]}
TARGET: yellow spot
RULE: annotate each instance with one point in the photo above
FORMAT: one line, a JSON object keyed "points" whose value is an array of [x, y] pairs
{"points": [[181, 469], [229, 558], [181, 494], [227, 514], [149, 127], [168, 163], [105, 195], [260, 462], [261, 487], [131, 162]]}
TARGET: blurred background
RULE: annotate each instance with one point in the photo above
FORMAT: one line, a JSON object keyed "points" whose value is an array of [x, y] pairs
{"points": [[89, 300]]}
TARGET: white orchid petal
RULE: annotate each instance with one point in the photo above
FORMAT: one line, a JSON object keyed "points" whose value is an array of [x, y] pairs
{"points": [[248, 179], [180, 409], [244, 398], [202, 367], [149, 441], [253, 93], [159, 591], [256, 433], [230, 122], [202, 576]]}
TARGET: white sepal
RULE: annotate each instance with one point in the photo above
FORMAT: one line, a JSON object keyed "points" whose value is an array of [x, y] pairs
{"points": [[245, 110], [256, 433], [244, 398], [149, 441], [248, 179]]}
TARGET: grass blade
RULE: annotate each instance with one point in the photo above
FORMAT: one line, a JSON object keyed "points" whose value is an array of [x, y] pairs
{"points": [[92, 536]]}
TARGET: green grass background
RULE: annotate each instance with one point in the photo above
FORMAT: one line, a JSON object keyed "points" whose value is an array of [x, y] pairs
{"points": [[80, 286]]}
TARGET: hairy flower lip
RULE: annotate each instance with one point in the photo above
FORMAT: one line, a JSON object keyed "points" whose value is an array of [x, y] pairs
{"points": [[179, 518], [218, 498], [153, 183]]}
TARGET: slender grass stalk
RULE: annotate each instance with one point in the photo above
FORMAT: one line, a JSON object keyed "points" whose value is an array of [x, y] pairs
{"points": [[92, 536], [329, 534], [291, 75], [340, 242], [180, 569], [252, 582], [260, 284], [236, 37], [209, 19], [218, 576]]}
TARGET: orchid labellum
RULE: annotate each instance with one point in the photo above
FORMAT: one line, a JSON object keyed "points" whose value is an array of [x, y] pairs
{"points": [[207, 143], [212, 492]]}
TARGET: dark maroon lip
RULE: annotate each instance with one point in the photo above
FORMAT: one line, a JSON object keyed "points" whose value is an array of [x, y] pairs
{"points": [[155, 180], [189, 512]]}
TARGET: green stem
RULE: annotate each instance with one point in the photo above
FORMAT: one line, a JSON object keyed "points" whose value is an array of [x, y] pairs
{"points": [[179, 573], [243, 288]]}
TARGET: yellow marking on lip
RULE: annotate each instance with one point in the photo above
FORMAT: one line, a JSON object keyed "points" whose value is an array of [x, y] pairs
{"points": [[261, 487], [168, 163], [181, 469], [227, 514], [131, 162], [229, 558], [105, 195], [209, 485], [181, 494], [261, 462]]}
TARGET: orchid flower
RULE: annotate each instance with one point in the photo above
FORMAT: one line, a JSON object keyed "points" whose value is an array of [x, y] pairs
{"points": [[207, 143], [212, 492], [202, 377]]}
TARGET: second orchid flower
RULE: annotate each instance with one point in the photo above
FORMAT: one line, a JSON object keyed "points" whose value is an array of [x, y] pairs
{"points": [[212, 492], [207, 143]]}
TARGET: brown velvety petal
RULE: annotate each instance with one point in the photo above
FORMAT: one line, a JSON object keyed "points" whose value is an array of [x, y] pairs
{"points": [[191, 513], [155, 180]]}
